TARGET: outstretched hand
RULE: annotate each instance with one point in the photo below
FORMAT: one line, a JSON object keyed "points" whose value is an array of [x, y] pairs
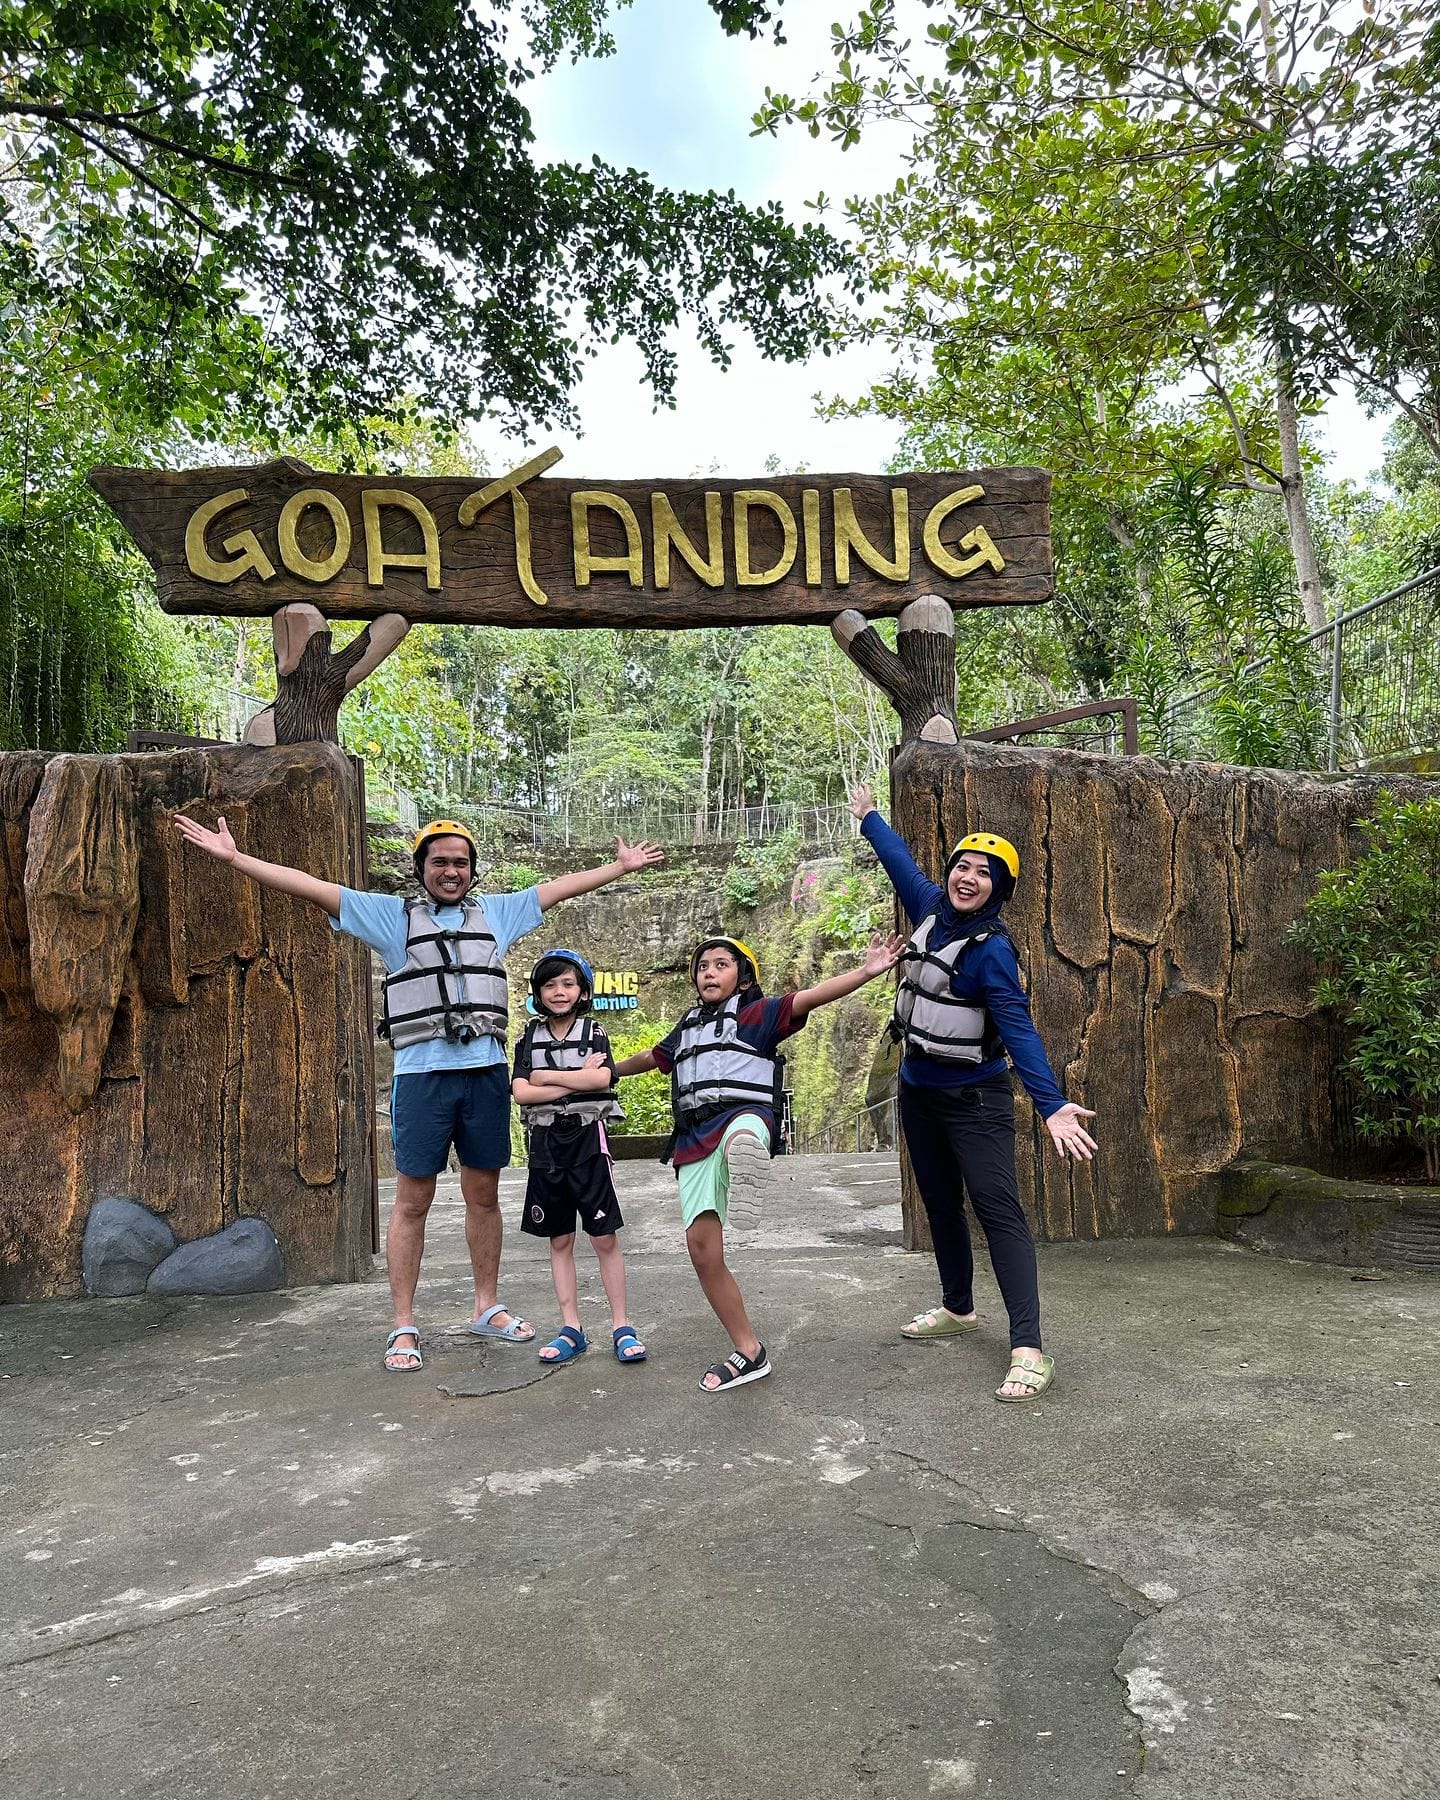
{"points": [[1068, 1135], [217, 843], [862, 800], [637, 856], [884, 952]]}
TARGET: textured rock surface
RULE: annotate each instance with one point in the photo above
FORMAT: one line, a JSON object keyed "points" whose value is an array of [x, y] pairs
{"points": [[1151, 920], [1323, 1218], [244, 1258], [82, 897], [234, 1075], [123, 1243]]}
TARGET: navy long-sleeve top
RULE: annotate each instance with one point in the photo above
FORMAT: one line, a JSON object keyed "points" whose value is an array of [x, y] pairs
{"points": [[986, 974]]}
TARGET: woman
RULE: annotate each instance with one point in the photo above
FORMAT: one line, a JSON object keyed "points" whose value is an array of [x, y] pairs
{"points": [[960, 1012]]}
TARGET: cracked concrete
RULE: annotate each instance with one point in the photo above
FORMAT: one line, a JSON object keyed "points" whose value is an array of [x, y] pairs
{"points": [[239, 1558]]}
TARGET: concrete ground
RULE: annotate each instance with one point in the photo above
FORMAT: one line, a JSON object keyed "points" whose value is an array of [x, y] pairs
{"points": [[240, 1559]]}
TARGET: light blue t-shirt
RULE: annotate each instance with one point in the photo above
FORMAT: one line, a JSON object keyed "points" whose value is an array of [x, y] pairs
{"points": [[379, 921]]}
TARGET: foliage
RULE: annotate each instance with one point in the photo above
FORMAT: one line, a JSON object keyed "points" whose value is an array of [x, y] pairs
{"points": [[293, 211], [511, 877], [854, 903], [85, 659], [1347, 232], [1371, 927], [1222, 584], [1065, 244], [759, 869], [646, 1098]]}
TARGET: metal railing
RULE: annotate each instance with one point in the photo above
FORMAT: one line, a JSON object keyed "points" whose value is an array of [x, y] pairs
{"points": [[1111, 727], [816, 827], [1368, 691], [874, 1127]]}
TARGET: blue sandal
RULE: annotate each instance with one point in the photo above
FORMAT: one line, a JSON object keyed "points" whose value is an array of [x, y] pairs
{"points": [[569, 1343], [627, 1345]]}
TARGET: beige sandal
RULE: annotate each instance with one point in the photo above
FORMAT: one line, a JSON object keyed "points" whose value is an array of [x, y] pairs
{"points": [[1034, 1376], [937, 1323]]}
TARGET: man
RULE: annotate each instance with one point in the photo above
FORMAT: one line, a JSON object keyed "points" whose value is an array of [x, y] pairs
{"points": [[446, 1013]]}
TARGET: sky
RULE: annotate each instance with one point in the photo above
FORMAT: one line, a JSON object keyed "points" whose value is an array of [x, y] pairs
{"points": [[676, 101]]}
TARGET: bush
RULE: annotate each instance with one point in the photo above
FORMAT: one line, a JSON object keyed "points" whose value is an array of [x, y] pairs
{"points": [[759, 869], [853, 906], [645, 1098], [1372, 928], [510, 878]]}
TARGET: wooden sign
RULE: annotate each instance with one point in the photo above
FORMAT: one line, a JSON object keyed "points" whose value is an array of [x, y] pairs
{"points": [[522, 550]]}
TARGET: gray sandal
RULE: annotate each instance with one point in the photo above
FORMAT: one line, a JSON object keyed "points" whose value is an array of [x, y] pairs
{"points": [[408, 1368]]}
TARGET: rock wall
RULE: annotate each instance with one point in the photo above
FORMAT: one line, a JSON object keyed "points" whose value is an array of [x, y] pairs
{"points": [[168, 1031], [1151, 922]]}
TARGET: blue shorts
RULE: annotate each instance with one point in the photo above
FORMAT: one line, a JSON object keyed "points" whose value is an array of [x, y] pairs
{"points": [[469, 1108]]}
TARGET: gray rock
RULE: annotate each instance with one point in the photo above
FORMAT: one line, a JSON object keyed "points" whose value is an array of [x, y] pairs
{"points": [[123, 1242], [243, 1259]]}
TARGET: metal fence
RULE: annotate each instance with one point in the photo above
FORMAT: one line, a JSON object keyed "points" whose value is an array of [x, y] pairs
{"points": [[1108, 727], [814, 827], [874, 1127], [1364, 692]]}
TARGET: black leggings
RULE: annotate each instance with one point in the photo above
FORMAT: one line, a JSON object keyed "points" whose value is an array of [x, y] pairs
{"points": [[967, 1135]]}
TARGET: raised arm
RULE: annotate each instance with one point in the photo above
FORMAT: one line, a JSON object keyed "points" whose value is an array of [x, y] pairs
{"points": [[918, 894], [285, 880], [629, 858], [883, 954]]}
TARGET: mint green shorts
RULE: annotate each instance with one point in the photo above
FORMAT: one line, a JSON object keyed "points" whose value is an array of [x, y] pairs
{"points": [[705, 1185]]}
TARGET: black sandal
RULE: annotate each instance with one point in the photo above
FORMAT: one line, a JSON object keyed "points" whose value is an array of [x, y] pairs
{"points": [[736, 1370]]}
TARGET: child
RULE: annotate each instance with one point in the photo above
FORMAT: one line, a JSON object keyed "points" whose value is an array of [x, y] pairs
{"points": [[960, 1012], [721, 1061], [563, 1079], [446, 1014]]}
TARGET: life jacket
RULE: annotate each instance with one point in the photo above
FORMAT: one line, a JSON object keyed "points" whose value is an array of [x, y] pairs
{"points": [[928, 1019], [549, 1052], [715, 1069], [452, 984]]}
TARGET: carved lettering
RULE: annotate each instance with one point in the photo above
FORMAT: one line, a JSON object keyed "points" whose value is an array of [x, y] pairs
{"points": [[810, 514], [942, 558], [985, 552], [666, 529], [744, 499], [632, 563], [849, 536], [243, 547], [377, 557], [288, 534], [475, 504]]}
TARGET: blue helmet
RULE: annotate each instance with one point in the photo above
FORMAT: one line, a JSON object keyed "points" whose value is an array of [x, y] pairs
{"points": [[550, 965]]}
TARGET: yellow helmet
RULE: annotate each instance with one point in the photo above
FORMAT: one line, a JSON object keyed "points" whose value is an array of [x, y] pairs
{"points": [[443, 828], [742, 950], [989, 845]]}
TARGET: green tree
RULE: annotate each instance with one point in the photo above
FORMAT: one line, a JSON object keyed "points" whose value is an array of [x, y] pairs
{"points": [[1340, 248], [1372, 929], [1058, 244], [197, 197]]}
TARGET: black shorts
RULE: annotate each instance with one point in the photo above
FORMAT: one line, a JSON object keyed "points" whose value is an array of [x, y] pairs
{"points": [[553, 1198]]}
